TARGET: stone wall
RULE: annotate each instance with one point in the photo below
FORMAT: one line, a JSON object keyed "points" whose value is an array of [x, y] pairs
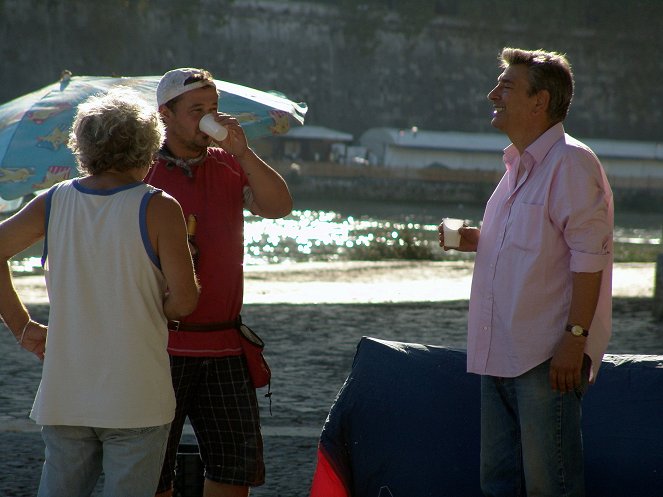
{"points": [[357, 64]]}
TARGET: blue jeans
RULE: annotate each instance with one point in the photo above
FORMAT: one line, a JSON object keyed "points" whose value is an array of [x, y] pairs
{"points": [[130, 458], [531, 443]]}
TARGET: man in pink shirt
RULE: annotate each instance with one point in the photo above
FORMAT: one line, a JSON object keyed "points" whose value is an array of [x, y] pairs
{"points": [[541, 301]]}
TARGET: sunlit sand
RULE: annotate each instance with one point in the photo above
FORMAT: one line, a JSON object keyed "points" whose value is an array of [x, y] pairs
{"points": [[398, 281], [370, 282]]}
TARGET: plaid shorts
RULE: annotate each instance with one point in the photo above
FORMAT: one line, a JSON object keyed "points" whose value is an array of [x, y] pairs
{"points": [[218, 397]]}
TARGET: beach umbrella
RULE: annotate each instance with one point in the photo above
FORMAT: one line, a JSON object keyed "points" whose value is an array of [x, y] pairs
{"points": [[34, 128]]}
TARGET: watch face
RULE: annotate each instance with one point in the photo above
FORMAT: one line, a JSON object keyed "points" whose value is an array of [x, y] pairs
{"points": [[577, 330]]}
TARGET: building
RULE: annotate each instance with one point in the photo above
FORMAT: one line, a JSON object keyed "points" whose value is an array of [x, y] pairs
{"points": [[310, 143], [413, 148]]}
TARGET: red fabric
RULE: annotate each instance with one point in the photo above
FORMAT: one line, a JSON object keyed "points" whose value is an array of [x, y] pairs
{"points": [[326, 482], [215, 195]]}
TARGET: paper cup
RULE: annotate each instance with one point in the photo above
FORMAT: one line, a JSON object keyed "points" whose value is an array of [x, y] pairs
{"points": [[210, 127], [451, 234]]}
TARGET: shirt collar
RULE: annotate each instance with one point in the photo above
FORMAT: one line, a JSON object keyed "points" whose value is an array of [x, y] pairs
{"points": [[537, 149], [542, 145]]}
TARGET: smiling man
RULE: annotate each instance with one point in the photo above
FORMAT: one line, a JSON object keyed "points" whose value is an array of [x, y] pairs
{"points": [[210, 375], [541, 300]]}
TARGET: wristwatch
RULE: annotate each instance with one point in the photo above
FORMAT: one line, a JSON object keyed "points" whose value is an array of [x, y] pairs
{"points": [[577, 330]]}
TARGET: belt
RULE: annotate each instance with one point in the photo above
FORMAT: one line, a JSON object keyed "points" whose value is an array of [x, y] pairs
{"points": [[224, 325]]}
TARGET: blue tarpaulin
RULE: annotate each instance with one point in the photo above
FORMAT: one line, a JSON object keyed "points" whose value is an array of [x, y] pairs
{"points": [[406, 424]]}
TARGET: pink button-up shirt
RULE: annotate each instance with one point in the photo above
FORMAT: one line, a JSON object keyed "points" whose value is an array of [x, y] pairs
{"points": [[557, 219]]}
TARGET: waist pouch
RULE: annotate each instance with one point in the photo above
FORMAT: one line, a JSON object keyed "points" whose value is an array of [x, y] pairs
{"points": [[252, 346]]}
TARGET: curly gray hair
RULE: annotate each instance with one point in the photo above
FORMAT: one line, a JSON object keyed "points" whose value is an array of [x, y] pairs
{"points": [[117, 130]]}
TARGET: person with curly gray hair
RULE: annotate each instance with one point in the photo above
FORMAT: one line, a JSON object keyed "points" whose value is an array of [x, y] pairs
{"points": [[115, 131], [117, 267]]}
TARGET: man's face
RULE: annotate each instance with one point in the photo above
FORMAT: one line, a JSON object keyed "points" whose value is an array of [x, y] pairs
{"points": [[182, 121], [513, 107]]}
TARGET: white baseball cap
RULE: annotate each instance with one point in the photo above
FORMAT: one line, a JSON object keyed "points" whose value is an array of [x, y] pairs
{"points": [[174, 83]]}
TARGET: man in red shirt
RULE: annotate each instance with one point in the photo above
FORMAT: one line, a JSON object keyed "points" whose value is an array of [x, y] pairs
{"points": [[210, 375]]}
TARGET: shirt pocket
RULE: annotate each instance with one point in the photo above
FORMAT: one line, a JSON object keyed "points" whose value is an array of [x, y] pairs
{"points": [[525, 231]]}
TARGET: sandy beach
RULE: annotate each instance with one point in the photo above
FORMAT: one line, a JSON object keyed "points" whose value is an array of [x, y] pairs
{"points": [[368, 282], [311, 317]]}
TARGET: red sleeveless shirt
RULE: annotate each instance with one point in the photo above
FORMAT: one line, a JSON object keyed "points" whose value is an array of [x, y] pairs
{"points": [[215, 195]]}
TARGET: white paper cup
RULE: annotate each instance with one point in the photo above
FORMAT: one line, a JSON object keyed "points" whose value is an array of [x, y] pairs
{"points": [[209, 126], [451, 234]]}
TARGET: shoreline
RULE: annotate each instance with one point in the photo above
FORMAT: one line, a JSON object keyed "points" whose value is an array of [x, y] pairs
{"points": [[357, 282]]}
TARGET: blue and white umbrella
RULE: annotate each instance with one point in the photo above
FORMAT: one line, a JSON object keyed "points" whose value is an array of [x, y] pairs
{"points": [[34, 128]]}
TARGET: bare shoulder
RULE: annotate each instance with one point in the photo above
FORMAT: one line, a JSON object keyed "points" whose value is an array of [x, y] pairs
{"points": [[35, 210], [164, 205], [38, 202]]}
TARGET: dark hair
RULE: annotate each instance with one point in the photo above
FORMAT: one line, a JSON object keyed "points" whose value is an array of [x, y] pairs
{"points": [[202, 75], [549, 71]]}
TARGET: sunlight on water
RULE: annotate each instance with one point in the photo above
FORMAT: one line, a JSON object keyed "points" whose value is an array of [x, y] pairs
{"points": [[28, 265], [310, 235], [314, 235], [298, 236]]}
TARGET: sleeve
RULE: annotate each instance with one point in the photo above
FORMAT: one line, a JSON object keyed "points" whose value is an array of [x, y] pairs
{"points": [[580, 207]]}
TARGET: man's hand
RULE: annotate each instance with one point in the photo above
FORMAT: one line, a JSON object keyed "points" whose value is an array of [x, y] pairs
{"points": [[566, 364], [469, 238], [34, 339], [235, 142]]}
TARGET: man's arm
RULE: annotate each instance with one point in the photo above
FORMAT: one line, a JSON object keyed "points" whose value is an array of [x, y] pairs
{"points": [[581, 208], [566, 365], [16, 234], [167, 229], [271, 197]]}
